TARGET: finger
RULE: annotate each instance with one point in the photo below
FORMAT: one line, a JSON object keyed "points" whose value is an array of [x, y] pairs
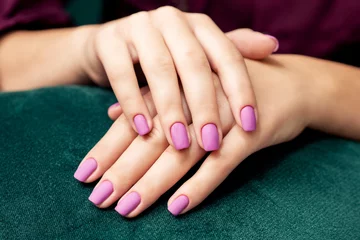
{"points": [[160, 72], [114, 111], [171, 166], [213, 171], [129, 167], [132, 164], [103, 155], [114, 54], [252, 44], [229, 64], [195, 75]]}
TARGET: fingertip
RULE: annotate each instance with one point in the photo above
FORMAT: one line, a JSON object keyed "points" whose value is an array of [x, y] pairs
{"points": [[142, 125], [178, 205], [275, 41], [210, 137], [248, 119], [179, 136], [114, 111]]}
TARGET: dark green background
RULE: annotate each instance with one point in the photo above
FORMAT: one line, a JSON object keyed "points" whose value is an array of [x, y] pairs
{"points": [[305, 189]]}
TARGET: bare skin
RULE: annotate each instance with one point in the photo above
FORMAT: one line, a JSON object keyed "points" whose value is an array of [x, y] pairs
{"points": [[186, 45], [300, 97]]}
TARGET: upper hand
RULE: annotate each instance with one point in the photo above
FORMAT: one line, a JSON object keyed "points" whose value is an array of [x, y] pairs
{"points": [[169, 43]]}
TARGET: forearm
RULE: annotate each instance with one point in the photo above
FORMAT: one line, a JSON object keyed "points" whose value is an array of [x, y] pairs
{"points": [[336, 107], [32, 59]]}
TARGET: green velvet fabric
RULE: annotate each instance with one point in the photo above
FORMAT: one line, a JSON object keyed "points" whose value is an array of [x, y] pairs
{"points": [[305, 189], [85, 11]]}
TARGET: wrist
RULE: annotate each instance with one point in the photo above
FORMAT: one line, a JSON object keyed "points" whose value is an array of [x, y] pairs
{"points": [[85, 54], [337, 88], [323, 91], [313, 84]]}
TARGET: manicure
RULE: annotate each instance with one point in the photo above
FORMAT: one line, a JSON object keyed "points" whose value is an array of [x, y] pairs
{"points": [[210, 137], [248, 119], [115, 105], [101, 192], [276, 43], [85, 169], [128, 203], [179, 136], [178, 205], [141, 124]]}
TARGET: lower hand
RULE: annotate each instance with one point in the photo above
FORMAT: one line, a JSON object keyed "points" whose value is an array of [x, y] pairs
{"points": [[139, 169]]}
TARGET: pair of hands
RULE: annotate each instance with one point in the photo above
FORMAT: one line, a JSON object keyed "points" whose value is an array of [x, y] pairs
{"points": [[139, 169], [169, 43]]}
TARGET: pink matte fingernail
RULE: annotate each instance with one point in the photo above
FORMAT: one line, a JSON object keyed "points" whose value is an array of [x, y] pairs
{"points": [[128, 203], [248, 119], [179, 136], [141, 124], [210, 137], [101, 192], [178, 205], [85, 169], [277, 45], [115, 105]]}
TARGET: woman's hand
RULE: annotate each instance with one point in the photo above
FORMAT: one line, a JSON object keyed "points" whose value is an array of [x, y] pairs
{"points": [[139, 169], [169, 43]]}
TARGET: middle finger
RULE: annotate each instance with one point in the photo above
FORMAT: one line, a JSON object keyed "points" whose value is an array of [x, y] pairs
{"points": [[195, 74]]}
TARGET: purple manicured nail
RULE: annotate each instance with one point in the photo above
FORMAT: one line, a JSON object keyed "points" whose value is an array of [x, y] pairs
{"points": [[141, 124], [115, 105], [101, 192], [85, 169], [128, 203], [248, 119], [276, 43], [179, 136], [210, 137], [178, 205]]}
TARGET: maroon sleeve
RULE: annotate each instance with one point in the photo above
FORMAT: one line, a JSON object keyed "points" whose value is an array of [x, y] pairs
{"points": [[32, 14]]}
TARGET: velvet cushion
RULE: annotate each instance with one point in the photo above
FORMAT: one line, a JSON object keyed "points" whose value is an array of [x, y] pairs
{"points": [[307, 188]]}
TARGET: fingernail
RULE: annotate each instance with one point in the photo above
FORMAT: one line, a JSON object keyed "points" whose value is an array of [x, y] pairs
{"points": [[248, 119], [115, 105], [85, 169], [179, 136], [101, 192], [178, 205], [276, 43], [128, 204], [210, 137], [141, 124]]}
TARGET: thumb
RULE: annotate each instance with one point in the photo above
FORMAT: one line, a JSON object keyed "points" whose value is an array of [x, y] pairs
{"points": [[253, 45]]}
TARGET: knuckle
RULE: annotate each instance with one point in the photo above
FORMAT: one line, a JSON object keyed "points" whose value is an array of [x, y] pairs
{"points": [[161, 64], [191, 53], [201, 17], [168, 11], [231, 60], [233, 57], [118, 75], [142, 16], [99, 38], [199, 62], [128, 101]]}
